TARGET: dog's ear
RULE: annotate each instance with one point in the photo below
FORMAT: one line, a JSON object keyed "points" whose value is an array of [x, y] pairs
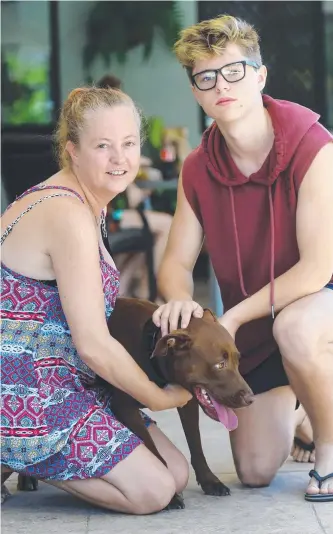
{"points": [[209, 315], [172, 342]]}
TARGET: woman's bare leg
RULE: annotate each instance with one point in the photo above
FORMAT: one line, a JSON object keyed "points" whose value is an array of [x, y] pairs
{"points": [[139, 484]]}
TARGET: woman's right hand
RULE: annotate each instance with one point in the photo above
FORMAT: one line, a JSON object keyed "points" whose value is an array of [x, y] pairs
{"points": [[167, 316], [173, 396]]}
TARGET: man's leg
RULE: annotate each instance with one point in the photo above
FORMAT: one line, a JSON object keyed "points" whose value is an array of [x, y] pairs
{"points": [[262, 441], [304, 333], [302, 452]]}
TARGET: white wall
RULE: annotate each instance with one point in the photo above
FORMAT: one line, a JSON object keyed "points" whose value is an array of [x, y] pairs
{"points": [[159, 86]]}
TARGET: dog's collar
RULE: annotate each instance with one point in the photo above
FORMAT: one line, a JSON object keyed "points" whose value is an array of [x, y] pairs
{"points": [[150, 336]]}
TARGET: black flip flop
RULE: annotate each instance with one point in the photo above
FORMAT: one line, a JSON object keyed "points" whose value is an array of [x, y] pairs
{"points": [[305, 446], [320, 497]]}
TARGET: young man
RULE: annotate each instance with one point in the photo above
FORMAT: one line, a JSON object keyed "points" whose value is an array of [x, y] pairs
{"points": [[259, 188]]}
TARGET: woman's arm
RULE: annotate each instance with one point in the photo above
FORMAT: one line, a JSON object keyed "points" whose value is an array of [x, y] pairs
{"points": [[314, 228], [73, 247]]}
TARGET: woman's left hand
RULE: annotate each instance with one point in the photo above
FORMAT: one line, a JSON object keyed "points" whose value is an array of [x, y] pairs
{"points": [[230, 323]]}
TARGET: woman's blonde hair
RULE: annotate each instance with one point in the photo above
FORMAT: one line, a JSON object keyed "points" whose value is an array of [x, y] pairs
{"points": [[210, 37], [79, 102]]}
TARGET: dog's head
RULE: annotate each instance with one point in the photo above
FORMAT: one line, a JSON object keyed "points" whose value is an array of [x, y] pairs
{"points": [[203, 358]]}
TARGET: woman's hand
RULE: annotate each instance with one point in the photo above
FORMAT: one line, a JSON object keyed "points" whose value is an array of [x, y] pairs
{"points": [[167, 316], [174, 396]]}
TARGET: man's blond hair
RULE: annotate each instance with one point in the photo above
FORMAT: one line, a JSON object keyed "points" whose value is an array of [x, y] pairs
{"points": [[209, 38]]}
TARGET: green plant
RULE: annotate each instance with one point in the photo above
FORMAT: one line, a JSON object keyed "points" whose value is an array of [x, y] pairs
{"points": [[117, 27]]}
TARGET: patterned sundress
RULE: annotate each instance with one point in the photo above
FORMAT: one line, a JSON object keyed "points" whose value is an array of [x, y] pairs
{"points": [[54, 423]]}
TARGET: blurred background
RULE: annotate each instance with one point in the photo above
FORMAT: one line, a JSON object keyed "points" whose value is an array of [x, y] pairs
{"points": [[51, 47]]}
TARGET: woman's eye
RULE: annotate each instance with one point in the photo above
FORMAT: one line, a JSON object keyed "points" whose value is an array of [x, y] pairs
{"points": [[130, 143], [102, 145]]}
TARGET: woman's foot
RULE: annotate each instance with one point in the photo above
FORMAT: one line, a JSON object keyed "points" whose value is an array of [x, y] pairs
{"points": [[323, 467], [303, 435]]}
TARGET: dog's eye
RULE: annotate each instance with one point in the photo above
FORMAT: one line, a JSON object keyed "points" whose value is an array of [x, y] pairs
{"points": [[220, 365]]}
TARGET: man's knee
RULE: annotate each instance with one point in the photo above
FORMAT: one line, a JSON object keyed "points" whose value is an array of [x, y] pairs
{"points": [[296, 337], [257, 469], [255, 474]]}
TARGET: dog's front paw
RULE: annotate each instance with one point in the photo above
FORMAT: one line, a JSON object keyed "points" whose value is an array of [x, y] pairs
{"points": [[26, 483], [214, 487], [176, 503]]}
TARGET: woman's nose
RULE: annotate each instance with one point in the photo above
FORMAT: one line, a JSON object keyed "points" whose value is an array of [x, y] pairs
{"points": [[117, 155]]}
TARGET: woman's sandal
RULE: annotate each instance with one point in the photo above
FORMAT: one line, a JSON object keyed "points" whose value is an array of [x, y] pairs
{"points": [[319, 497]]}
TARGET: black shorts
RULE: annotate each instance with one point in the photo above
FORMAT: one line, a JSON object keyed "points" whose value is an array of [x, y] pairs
{"points": [[268, 375]]}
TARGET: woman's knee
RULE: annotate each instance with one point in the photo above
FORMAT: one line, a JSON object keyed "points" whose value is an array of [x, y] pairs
{"points": [[155, 493], [177, 464], [145, 482], [180, 472]]}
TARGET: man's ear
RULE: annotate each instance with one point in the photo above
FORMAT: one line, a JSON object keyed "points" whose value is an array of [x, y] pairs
{"points": [[209, 315], [172, 342], [262, 77]]}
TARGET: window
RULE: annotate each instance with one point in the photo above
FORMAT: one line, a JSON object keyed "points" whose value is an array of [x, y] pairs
{"points": [[27, 66], [328, 21]]}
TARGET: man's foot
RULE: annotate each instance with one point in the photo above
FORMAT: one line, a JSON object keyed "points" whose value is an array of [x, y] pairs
{"points": [[304, 435], [323, 467]]}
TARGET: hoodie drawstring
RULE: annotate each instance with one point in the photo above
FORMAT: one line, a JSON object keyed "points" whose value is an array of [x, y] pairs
{"points": [[239, 261], [272, 225]]}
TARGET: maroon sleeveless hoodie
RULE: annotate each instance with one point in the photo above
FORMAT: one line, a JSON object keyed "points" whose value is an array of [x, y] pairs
{"points": [[250, 222]]}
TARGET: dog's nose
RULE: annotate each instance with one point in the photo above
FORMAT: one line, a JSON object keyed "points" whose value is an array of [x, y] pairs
{"points": [[245, 398], [248, 398]]}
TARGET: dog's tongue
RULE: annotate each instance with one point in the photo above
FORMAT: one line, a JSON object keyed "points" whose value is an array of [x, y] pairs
{"points": [[226, 416]]}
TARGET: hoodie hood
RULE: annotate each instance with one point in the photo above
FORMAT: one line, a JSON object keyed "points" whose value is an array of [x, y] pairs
{"points": [[290, 123]]}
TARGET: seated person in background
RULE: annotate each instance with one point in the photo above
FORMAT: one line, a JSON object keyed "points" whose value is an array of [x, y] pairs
{"points": [[134, 277], [132, 268]]}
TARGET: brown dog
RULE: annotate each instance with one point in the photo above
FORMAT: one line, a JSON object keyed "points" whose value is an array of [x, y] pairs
{"points": [[202, 358]]}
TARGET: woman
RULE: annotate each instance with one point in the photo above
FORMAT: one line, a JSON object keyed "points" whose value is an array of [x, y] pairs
{"points": [[59, 287], [260, 189]]}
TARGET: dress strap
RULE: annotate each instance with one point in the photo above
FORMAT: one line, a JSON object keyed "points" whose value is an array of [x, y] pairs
{"points": [[41, 187], [29, 208]]}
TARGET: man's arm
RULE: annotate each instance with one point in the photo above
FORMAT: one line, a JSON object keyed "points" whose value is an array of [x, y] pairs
{"points": [[314, 229], [175, 277]]}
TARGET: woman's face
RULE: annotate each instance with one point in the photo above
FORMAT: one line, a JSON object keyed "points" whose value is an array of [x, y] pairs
{"points": [[107, 158]]}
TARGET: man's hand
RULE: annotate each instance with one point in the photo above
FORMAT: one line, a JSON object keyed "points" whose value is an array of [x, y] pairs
{"points": [[167, 316]]}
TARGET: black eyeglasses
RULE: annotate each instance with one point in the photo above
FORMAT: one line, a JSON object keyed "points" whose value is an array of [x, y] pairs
{"points": [[233, 72]]}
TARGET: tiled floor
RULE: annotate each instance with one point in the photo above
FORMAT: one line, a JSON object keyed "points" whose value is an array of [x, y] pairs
{"points": [[279, 509]]}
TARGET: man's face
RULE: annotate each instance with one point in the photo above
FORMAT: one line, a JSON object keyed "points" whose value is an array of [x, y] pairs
{"points": [[228, 101]]}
